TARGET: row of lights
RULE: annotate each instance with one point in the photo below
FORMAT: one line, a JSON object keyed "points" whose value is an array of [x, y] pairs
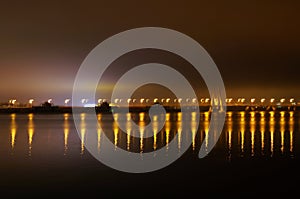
{"points": [[168, 100]]}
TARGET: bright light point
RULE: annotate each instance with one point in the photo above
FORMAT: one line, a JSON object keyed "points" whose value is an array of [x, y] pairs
{"points": [[194, 100], [243, 100], [207, 100], [67, 101], [116, 101], [262, 100], [180, 100], [272, 100], [99, 101], [13, 101], [292, 100], [282, 100], [252, 100], [84, 101], [30, 101], [128, 100], [155, 100], [168, 100], [49, 100], [142, 100]]}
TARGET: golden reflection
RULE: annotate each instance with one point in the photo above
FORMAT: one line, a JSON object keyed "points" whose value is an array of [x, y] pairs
{"points": [[99, 139], [272, 129], [179, 134], [242, 133], [128, 116], [242, 116], [291, 129], [262, 131], [167, 129], [282, 129], [30, 134], [252, 131], [13, 116], [82, 116], [272, 114], [252, 116], [229, 116], [262, 116], [167, 117], [206, 129], [206, 116], [179, 116], [142, 139], [66, 134], [194, 131], [155, 131], [66, 116], [142, 117], [128, 132], [13, 131], [194, 116], [282, 113], [99, 117], [229, 129], [82, 132], [116, 133]]}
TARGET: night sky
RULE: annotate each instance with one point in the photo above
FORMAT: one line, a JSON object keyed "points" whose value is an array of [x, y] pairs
{"points": [[256, 46]]}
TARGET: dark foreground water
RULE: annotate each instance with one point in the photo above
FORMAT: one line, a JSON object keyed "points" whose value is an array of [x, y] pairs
{"points": [[258, 154]]}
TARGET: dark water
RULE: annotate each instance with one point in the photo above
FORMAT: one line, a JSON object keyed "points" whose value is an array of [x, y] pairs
{"points": [[257, 154]]}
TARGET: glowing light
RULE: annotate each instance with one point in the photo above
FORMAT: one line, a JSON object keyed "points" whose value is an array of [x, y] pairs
{"points": [[99, 101], [67, 101], [282, 100], [207, 100], [292, 100], [49, 101], [30, 101], [155, 100], [30, 135], [180, 100], [142, 100], [262, 100], [13, 133], [116, 101], [272, 100], [142, 116], [167, 116], [252, 100], [66, 136], [243, 100], [168, 100], [129, 100], [116, 132], [194, 100]]}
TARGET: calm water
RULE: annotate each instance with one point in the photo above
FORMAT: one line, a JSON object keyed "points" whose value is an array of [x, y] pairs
{"points": [[258, 152]]}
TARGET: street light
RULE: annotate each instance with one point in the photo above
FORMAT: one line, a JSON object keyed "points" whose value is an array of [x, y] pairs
{"points": [[67, 101], [30, 102]]}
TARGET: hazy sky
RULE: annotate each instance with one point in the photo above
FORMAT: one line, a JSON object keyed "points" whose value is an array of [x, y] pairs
{"points": [[256, 46]]}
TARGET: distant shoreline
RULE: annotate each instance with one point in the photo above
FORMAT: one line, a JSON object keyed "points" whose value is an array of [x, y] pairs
{"points": [[63, 109]]}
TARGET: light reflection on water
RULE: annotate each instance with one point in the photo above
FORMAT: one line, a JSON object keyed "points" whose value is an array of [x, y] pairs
{"points": [[246, 134]]}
